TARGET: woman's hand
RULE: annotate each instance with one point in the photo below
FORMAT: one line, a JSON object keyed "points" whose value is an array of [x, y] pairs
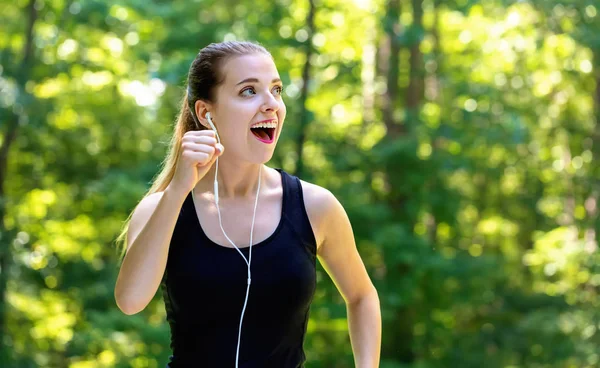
{"points": [[199, 151]]}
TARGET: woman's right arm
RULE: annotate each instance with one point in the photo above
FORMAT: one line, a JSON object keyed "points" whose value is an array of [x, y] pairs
{"points": [[153, 221], [148, 238]]}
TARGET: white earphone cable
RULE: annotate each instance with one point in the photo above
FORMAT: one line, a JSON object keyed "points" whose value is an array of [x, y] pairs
{"points": [[248, 261]]}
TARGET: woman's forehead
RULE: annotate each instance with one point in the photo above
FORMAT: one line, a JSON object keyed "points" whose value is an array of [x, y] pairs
{"points": [[244, 67]]}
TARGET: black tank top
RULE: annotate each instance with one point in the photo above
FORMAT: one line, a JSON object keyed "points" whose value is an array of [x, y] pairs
{"points": [[204, 288]]}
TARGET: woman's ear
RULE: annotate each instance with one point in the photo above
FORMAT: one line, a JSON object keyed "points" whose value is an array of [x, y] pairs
{"points": [[202, 108]]}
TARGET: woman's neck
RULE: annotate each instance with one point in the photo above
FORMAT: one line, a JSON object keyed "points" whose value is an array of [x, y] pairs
{"points": [[236, 181]]}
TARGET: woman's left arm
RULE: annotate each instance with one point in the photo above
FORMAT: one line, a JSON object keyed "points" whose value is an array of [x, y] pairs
{"points": [[340, 258]]}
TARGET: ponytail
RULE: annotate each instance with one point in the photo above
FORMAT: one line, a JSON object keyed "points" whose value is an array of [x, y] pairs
{"points": [[184, 123]]}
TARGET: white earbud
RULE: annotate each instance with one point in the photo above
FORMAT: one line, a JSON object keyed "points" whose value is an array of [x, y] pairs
{"points": [[210, 122]]}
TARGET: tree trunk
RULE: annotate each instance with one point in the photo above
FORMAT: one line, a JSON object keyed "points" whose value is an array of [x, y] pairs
{"points": [[304, 116], [591, 203], [433, 83], [368, 75], [10, 135], [390, 66], [400, 346], [414, 93]]}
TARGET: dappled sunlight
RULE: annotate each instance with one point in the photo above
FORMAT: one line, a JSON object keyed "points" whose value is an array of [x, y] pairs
{"points": [[460, 138], [51, 319], [144, 95], [558, 259]]}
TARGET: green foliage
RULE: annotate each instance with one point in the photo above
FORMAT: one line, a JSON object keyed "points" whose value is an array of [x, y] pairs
{"points": [[474, 202]]}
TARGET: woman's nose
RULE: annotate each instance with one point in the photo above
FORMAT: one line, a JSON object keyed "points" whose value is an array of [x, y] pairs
{"points": [[270, 103]]}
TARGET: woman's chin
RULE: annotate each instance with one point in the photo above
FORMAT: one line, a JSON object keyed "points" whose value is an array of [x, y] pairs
{"points": [[263, 157]]}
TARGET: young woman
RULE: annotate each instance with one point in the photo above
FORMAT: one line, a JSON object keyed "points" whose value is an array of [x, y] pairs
{"points": [[236, 260]]}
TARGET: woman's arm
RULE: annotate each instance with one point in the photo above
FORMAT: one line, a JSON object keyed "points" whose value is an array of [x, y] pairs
{"points": [[364, 321], [338, 254], [148, 239]]}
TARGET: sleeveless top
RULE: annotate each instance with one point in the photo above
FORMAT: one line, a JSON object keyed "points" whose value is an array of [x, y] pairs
{"points": [[204, 288]]}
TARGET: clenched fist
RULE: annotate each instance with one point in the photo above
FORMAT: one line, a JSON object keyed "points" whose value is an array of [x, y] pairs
{"points": [[199, 151]]}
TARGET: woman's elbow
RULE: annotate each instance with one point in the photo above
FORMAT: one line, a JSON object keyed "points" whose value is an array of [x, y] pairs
{"points": [[127, 305]]}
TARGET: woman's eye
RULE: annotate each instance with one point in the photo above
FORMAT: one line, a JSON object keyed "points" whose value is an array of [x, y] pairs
{"points": [[245, 91], [278, 89]]}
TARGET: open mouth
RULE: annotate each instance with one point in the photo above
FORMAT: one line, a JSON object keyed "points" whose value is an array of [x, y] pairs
{"points": [[265, 134]]}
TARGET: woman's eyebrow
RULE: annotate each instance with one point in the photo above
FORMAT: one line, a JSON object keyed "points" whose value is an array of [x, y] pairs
{"points": [[254, 80]]}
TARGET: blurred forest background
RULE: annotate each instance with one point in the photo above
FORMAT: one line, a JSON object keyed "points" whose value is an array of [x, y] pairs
{"points": [[461, 136]]}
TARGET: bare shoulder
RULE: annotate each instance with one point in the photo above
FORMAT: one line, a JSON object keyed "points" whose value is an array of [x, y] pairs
{"points": [[141, 214], [319, 203]]}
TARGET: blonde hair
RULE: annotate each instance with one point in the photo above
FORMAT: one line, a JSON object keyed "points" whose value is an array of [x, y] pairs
{"points": [[203, 78]]}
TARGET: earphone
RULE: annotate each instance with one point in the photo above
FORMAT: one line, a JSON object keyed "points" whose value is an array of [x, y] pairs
{"points": [[216, 190], [216, 183]]}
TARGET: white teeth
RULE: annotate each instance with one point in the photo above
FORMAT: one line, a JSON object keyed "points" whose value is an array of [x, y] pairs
{"points": [[265, 125]]}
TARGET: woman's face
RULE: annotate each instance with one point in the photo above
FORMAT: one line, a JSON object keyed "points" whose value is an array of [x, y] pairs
{"points": [[250, 93]]}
